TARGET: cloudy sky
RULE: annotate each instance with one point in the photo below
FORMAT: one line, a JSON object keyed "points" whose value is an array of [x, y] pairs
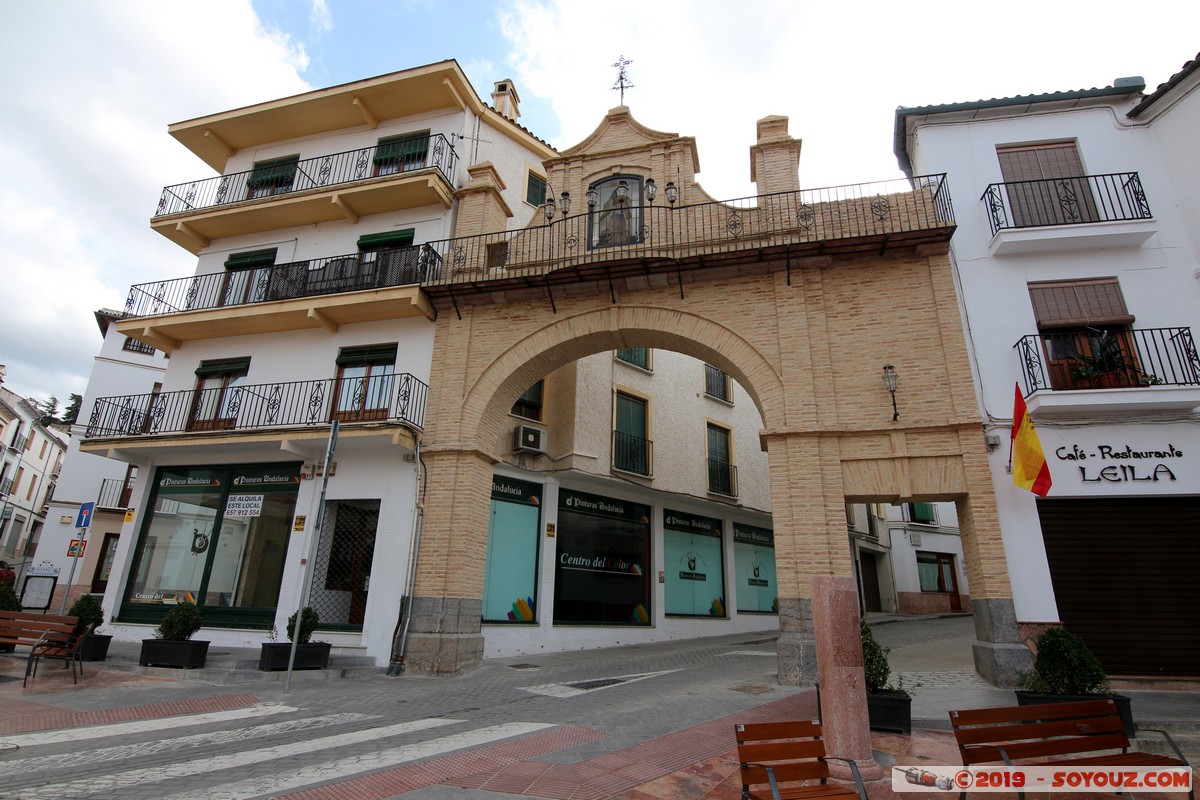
{"points": [[90, 86]]}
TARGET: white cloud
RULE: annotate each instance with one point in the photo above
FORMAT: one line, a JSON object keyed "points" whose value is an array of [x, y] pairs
{"points": [[91, 89], [321, 17]]}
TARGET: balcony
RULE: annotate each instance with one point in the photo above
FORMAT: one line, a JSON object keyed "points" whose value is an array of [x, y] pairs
{"points": [[284, 194], [397, 398], [1110, 371], [114, 494], [632, 454], [6, 486], [19, 443], [722, 478], [1068, 213], [857, 220]]}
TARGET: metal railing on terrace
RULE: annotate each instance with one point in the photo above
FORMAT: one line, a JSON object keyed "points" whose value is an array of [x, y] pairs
{"points": [[381, 397], [632, 454], [1108, 359], [19, 443], [722, 478], [318, 276], [1066, 201], [114, 493], [806, 217], [6, 486], [281, 177]]}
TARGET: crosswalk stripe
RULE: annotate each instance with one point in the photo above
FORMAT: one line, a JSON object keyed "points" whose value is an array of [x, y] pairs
{"points": [[99, 784], [366, 762], [141, 726], [143, 749]]}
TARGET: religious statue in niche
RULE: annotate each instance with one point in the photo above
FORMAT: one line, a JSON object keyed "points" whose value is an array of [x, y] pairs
{"points": [[616, 221]]}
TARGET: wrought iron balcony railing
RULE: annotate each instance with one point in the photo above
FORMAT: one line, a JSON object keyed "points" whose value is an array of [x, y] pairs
{"points": [[813, 217], [282, 178], [331, 275], [716, 383], [1108, 359], [19, 443], [722, 478], [632, 454], [114, 493], [1066, 201], [390, 397], [6, 486]]}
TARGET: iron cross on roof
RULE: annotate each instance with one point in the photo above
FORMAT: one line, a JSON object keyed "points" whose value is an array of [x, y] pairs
{"points": [[622, 78]]}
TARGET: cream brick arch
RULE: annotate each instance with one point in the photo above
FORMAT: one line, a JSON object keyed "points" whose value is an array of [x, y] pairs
{"points": [[485, 408]]}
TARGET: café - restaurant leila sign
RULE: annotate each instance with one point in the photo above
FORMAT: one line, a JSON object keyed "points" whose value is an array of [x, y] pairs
{"points": [[1108, 463]]}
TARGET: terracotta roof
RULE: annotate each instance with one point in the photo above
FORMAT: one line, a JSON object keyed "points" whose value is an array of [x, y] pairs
{"points": [[1164, 88]]}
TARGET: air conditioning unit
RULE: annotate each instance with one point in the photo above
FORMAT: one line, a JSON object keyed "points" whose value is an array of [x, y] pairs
{"points": [[528, 439]]}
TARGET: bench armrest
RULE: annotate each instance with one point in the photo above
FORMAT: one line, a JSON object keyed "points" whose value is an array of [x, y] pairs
{"points": [[858, 781], [770, 778], [1170, 742]]}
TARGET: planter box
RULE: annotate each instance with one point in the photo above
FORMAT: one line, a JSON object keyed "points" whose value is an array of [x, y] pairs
{"points": [[890, 712], [312, 655], [166, 653], [95, 647], [1122, 702]]}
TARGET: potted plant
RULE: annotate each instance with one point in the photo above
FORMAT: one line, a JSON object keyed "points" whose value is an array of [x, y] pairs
{"points": [[1065, 670], [309, 655], [889, 708], [1107, 365], [89, 611], [8, 602], [172, 645]]}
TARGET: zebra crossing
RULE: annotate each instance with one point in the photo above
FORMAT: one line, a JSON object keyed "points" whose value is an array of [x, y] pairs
{"points": [[262, 759]]}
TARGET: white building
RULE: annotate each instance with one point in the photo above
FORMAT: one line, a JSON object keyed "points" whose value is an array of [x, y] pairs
{"points": [[1079, 282], [124, 366]]}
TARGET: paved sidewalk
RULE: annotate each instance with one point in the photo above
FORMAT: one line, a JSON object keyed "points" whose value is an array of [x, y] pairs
{"points": [[637, 722]]}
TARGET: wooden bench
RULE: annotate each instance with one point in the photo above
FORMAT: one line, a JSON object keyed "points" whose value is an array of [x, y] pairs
{"points": [[46, 636], [775, 757], [1087, 733]]}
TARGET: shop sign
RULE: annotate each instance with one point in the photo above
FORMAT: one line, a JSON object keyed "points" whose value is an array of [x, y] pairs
{"points": [[1121, 463], [749, 534], [691, 523], [599, 562], [189, 482], [514, 491], [266, 478], [603, 506], [244, 505]]}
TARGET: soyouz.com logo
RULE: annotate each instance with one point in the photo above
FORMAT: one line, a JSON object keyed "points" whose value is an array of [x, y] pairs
{"points": [[1041, 779]]}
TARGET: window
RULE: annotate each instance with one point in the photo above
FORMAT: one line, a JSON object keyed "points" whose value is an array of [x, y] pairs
{"points": [[391, 256], [134, 346], [401, 153], [42, 453], [936, 572], [364, 382], [616, 218], [716, 384], [722, 474], [922, 512], [219, 386], [272, 177], [632, 450], [246, 277], [1084, 326], [535, 189], [638, 356], [529, 405], [1046, 184]]}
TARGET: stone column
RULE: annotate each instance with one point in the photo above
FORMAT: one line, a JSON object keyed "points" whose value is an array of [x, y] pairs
{"points": [[445, 635]]}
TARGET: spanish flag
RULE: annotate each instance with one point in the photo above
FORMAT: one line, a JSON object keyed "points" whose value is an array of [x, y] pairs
{"points": [[1030, 470]]}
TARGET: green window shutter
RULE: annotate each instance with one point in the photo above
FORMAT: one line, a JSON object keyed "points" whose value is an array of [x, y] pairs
{"points": [[535, 192], [398, 148], [638, 356], [370, 354], [280, 170], [253, 258], [382, 241], [923, 512], [223, 366], [631, 416], [718, 444]]}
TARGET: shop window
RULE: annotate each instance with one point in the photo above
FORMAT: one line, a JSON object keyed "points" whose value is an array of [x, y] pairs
{"points": [[936, 572], [717, 384], [1046, 184], [616, 216], [510, 571], [276, 176], [535, 189], [693, 565], [722, 474], [364, 382], [637, 356], [401, 153], [602, 564], [756, 590], [247, 276], [632, 449], [390, 258], [529, 404], [923, 513], [1084, 327], [219, 387]]}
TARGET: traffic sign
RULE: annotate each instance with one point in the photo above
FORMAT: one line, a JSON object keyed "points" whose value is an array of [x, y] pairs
{"points": [[85, 514]]}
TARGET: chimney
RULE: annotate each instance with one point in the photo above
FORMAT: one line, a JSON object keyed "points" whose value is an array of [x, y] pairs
{"points": [[505, 99]]}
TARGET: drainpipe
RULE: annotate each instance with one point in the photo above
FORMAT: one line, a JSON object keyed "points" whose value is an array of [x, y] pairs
{"points": [[400, 637]]}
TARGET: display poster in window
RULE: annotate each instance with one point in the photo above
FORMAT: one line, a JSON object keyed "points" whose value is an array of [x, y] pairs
{"points": [[510, 572], [602, 561], [38, 591], [693, 565], [756, 589]]}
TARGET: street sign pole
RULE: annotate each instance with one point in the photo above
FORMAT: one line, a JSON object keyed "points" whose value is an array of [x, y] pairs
{"points": [[82, 523]]}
